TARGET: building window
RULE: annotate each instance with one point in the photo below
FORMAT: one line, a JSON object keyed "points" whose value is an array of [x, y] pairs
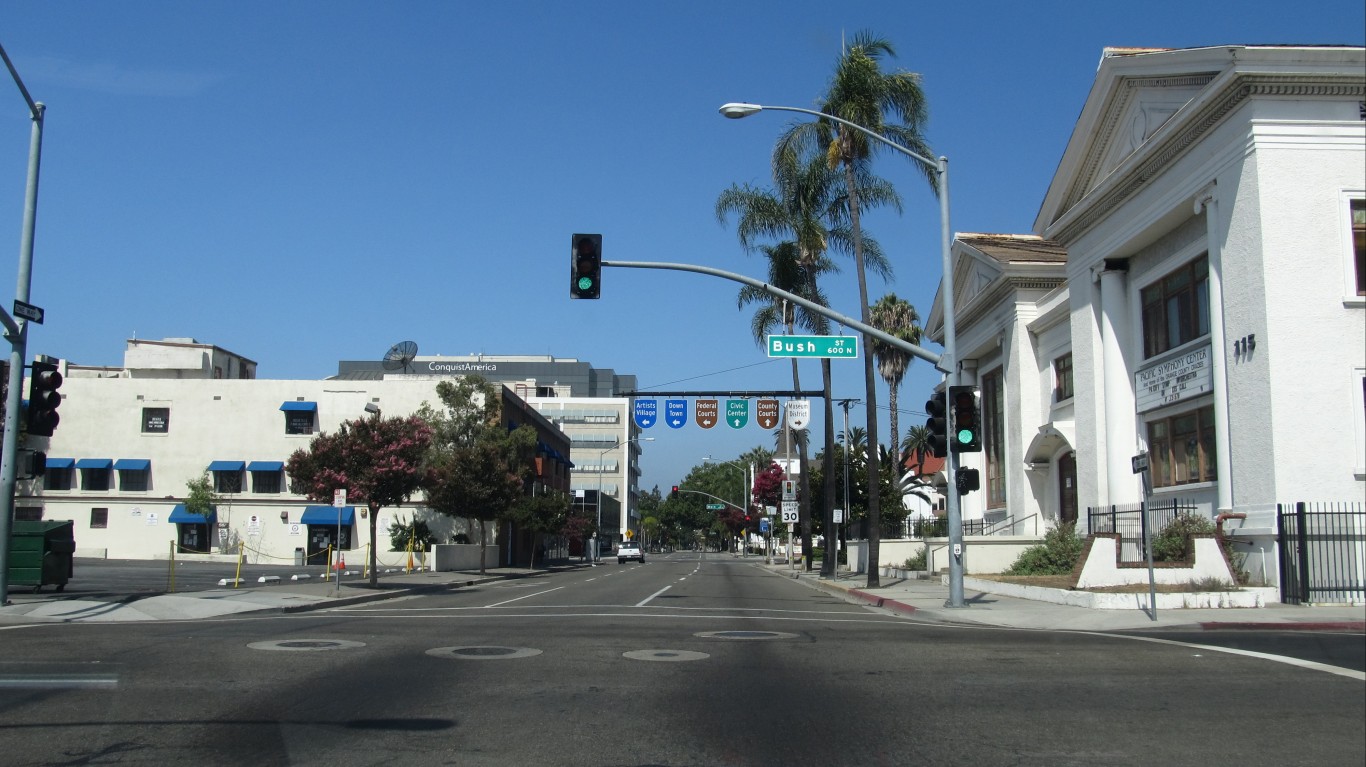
{"points": [[1062, 378], [993, 444], [96, 479], [28, 514], [1359, 243], [99, 518], [1182, 448], [1176, 308], [265, 481], [58, 479], [299, 421], [134, 480], [227, 481], [156, 420]]}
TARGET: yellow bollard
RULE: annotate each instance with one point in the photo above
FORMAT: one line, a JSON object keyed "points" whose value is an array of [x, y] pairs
{"points": [[238, 579], [170, 575], [328, 571]]}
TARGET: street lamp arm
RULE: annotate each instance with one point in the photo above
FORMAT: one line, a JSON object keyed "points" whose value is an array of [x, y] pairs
{"points": [[934, 359], [709, 495], [737, 110]]}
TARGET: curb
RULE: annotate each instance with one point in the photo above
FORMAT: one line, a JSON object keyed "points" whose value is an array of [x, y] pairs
{"points": [[887, 604], [1354, 627]]}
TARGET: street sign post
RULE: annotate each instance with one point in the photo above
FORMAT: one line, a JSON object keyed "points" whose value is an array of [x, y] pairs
{"points": [[840, 347]]}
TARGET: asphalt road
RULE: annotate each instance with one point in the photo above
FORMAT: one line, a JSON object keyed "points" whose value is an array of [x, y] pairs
{"points": [[685, 660]]}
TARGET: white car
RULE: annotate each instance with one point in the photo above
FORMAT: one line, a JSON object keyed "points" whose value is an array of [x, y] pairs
{"points": [[630, 550]]}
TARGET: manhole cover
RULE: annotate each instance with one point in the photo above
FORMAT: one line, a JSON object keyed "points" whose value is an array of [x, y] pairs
{"points": [[305, 645], [665, 656], [483, 652], [745, 635]]}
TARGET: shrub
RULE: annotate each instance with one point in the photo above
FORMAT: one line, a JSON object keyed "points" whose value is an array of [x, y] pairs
{"points": [[1057, 555], [1173, 544], [917, 562]]}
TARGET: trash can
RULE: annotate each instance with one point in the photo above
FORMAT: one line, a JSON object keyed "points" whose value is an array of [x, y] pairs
{"points": [[298, 557], [41, 553]]}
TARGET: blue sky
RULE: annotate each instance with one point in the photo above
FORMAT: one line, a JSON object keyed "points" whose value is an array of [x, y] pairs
{"points": [[306, 182]]}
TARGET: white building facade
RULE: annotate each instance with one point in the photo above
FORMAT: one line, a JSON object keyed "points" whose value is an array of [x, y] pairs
{"points": [[1209, 222], [130, 439]]}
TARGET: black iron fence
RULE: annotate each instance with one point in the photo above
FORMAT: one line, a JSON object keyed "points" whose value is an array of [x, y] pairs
{"points": [[1323, 552], [1127, 520]]}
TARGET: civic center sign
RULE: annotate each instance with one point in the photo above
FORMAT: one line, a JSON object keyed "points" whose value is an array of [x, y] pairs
{"points": [[1181, 377]]}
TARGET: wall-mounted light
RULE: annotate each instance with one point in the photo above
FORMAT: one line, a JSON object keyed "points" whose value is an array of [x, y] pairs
{"points": [[363, 510], [284, 517]]}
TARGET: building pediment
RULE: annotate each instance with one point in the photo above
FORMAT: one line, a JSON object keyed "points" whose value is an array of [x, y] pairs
{"points": [[1148, 108]]}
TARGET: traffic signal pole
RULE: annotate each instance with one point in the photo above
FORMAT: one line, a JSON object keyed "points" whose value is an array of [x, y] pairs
{"points": [[17, 333]]}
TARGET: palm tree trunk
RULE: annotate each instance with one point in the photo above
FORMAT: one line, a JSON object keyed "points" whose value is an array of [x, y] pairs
{"points": [[896, 446], [869, 377]]}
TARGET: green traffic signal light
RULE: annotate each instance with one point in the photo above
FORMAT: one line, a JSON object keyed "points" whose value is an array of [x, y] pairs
{"points": [[585, 266]]}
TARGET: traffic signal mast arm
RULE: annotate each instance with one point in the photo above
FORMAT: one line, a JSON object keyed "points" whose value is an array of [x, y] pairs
{"points": [[709, 495], [940, 362]]}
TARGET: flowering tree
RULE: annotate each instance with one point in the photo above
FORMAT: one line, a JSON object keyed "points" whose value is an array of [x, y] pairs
{"points": [[377, 461]]}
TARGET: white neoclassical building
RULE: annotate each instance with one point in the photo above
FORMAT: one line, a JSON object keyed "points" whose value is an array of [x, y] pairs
{"points": [[1195, 289]]}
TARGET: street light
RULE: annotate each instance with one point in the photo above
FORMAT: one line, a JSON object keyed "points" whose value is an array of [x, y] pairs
{"points": [[16, 331], [737, 110], [744, 502], [598, 499]]}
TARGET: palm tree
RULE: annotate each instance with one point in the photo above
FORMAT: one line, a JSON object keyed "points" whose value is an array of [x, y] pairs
{"points": [[805, 212], [864, 95], [899, 318]]}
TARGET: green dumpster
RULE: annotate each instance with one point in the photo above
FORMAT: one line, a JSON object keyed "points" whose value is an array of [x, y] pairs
{"points": [[40, 553]]}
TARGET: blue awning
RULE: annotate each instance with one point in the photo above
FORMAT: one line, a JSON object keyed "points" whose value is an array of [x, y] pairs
{"points": [[327, 515], [179, 516], [60, 463], [133, 464], [296, 405], [266, 466], [94, 463], [227, 465]]}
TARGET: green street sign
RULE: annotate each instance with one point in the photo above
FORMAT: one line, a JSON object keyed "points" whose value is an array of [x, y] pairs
{"points": [[845, 347], [716, 506]]}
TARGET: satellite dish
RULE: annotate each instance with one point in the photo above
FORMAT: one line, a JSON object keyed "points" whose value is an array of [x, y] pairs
{"points": [[399, 355]]}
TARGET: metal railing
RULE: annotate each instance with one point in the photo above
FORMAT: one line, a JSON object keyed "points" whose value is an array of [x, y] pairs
{"points": [[1322, 552], [1127, 520]]}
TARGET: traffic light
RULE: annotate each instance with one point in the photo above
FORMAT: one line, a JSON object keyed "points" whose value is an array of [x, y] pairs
{"points": [[674, 493], [585, 266], [967, 481], [967, 419], [43, 399], [938, 424]]}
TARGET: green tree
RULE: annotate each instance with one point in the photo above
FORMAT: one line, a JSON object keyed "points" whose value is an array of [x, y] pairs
{"points": [[898, 318], [377, 461], [201, 500], [539, 516], [891, 105], [475, 467]]}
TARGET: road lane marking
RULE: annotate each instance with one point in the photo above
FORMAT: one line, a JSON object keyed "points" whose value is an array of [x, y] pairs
{"points": [[646, 601], [527, 596], [1309, 664]]}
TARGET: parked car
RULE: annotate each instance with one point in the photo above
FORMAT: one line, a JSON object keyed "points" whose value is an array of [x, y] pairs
{"points": [[630, 550]]}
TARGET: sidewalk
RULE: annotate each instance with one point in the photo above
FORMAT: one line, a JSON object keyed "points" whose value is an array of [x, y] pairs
{"points": [[284, 596], [925, 600]]}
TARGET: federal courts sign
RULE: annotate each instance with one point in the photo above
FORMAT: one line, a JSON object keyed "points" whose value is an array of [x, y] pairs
{"points": [[1173, 380]]}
